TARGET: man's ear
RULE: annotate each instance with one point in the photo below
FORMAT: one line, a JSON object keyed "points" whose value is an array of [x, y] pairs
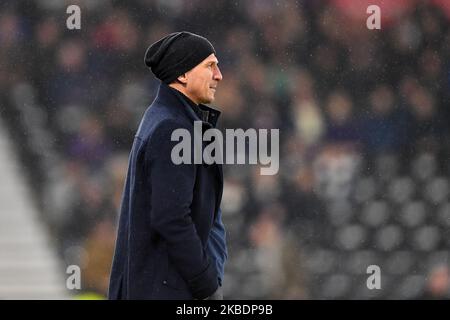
{"points": [[182, 79]]}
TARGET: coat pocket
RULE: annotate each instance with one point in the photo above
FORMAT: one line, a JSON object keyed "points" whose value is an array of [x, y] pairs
{"points": [[171, 277]]}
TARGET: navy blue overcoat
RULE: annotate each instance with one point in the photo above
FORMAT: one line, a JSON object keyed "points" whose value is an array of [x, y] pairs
{"points": [[171, 239]]}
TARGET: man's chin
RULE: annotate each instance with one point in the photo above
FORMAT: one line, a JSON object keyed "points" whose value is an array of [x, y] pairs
{"points": [[208, 100]]}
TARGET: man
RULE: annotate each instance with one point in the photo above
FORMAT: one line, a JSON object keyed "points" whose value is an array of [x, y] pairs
{"points": [[171, 240]]}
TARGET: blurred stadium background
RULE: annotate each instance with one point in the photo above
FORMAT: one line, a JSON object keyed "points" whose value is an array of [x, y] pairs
{"points": [[363, 118]]}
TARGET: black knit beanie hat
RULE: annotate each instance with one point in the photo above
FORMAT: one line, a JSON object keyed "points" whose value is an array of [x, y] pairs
{"points": [[177, 53]]}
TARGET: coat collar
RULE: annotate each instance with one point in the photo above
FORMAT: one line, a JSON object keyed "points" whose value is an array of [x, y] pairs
{"points": [[201, 112]]}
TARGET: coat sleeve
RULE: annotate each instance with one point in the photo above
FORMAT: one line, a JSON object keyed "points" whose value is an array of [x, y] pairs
{"points": [[171, 197], [217, 248]]}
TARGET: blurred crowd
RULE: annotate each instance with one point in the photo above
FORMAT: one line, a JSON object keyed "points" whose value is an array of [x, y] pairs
{"points": [[347, 100]]}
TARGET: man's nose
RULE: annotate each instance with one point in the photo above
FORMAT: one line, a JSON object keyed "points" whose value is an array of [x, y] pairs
{"points": [[217, 74]]}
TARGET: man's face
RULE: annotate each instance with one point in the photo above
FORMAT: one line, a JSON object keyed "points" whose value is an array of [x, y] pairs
{"points": [[201, 81]]}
